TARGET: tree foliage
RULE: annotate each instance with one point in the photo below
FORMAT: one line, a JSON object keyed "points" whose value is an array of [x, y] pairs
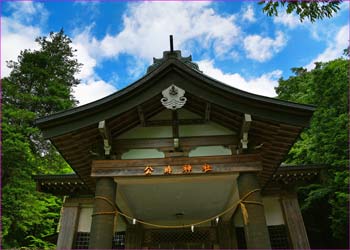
{"points": [[311, 10], [325, 205], [39, 84]]}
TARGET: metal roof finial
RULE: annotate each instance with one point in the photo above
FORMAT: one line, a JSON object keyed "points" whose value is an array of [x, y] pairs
{"points": [[171, 44]]}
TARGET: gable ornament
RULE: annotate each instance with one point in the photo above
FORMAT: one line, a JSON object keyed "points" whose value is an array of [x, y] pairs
{"points": [[173, 97]]}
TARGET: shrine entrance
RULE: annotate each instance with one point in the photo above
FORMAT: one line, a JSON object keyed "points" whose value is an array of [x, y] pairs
{"points": [[202, 238], [174, 201], [167, 206]]}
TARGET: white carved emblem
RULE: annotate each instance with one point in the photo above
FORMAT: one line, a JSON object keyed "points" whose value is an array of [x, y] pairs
{"points": [[173, 97]]}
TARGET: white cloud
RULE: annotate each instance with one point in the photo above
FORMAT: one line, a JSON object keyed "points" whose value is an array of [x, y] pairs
{"points": [[334, 49], [147, 25], [15, 37], [91, 87], [190, 23], [145, 32], [86, 46], [324, 30], [136, 67], [262, 85], [248, 14], [83, 56], [27, 11], [263, 48], [92, 91], [289, 20], [17, 32]]}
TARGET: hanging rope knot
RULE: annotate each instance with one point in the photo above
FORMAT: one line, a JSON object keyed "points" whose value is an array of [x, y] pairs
{"points": [[242, 203], [114, 208], [234, 206]]}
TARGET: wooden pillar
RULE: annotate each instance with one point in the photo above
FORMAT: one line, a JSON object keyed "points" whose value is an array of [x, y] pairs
{"points": [[294, 222], [68, 226], [256, 232], [134, 236], [226, 236], [102, 225]]}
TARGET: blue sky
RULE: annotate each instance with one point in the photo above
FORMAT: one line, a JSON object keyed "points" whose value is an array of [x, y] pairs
{"points": [[233, 42]]}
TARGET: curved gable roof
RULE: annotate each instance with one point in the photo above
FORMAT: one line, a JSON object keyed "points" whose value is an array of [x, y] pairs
{"points": [[178, 72]]}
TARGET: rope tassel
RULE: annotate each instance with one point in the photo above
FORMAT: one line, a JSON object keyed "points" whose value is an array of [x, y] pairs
{"points": [[244, 213]]}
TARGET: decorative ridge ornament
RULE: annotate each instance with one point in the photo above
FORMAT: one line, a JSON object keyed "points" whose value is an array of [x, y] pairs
{"points": [[173, 97], [174, 54]]}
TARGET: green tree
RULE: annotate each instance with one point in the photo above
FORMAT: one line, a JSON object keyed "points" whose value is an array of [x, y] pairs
{"points": [[311, 10], [39, 84], [325, 206]]}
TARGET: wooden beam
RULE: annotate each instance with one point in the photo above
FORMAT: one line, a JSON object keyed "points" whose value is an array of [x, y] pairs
{"points": [[68, 226], [104, 131], [158, 123], [141, 116], [244, 131], [219, 164], [294, 222], [167, 143], [229, 159]]}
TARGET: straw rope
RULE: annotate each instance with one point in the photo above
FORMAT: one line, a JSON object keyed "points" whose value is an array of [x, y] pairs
{"points": [[234, 206]]}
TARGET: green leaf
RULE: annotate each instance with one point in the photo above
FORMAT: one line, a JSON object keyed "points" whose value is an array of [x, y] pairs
{"points": [[39, 84], [324, 142]]}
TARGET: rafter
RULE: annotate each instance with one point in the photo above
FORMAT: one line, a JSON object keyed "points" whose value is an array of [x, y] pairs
{"points": [[207, 112], [141, 116]]}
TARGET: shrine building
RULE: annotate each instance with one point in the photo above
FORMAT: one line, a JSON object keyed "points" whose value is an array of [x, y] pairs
{"points": [[179, 160]]}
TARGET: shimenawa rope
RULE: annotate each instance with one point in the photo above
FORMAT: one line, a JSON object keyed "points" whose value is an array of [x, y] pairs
{"points": [[235, 206]]}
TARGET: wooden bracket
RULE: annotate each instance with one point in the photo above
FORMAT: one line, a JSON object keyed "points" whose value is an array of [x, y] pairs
{"points": [[244, 131], [104, 131], [176, 143]]}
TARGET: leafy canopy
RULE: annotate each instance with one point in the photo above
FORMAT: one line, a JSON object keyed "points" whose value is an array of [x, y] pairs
{"points": [[325, 205], [311, 10], [40, 83]]}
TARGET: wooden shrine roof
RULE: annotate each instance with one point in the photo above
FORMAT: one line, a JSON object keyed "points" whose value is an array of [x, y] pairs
{"points": [[275, 125], [195, 82], [288, 176], [63, 184]]}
